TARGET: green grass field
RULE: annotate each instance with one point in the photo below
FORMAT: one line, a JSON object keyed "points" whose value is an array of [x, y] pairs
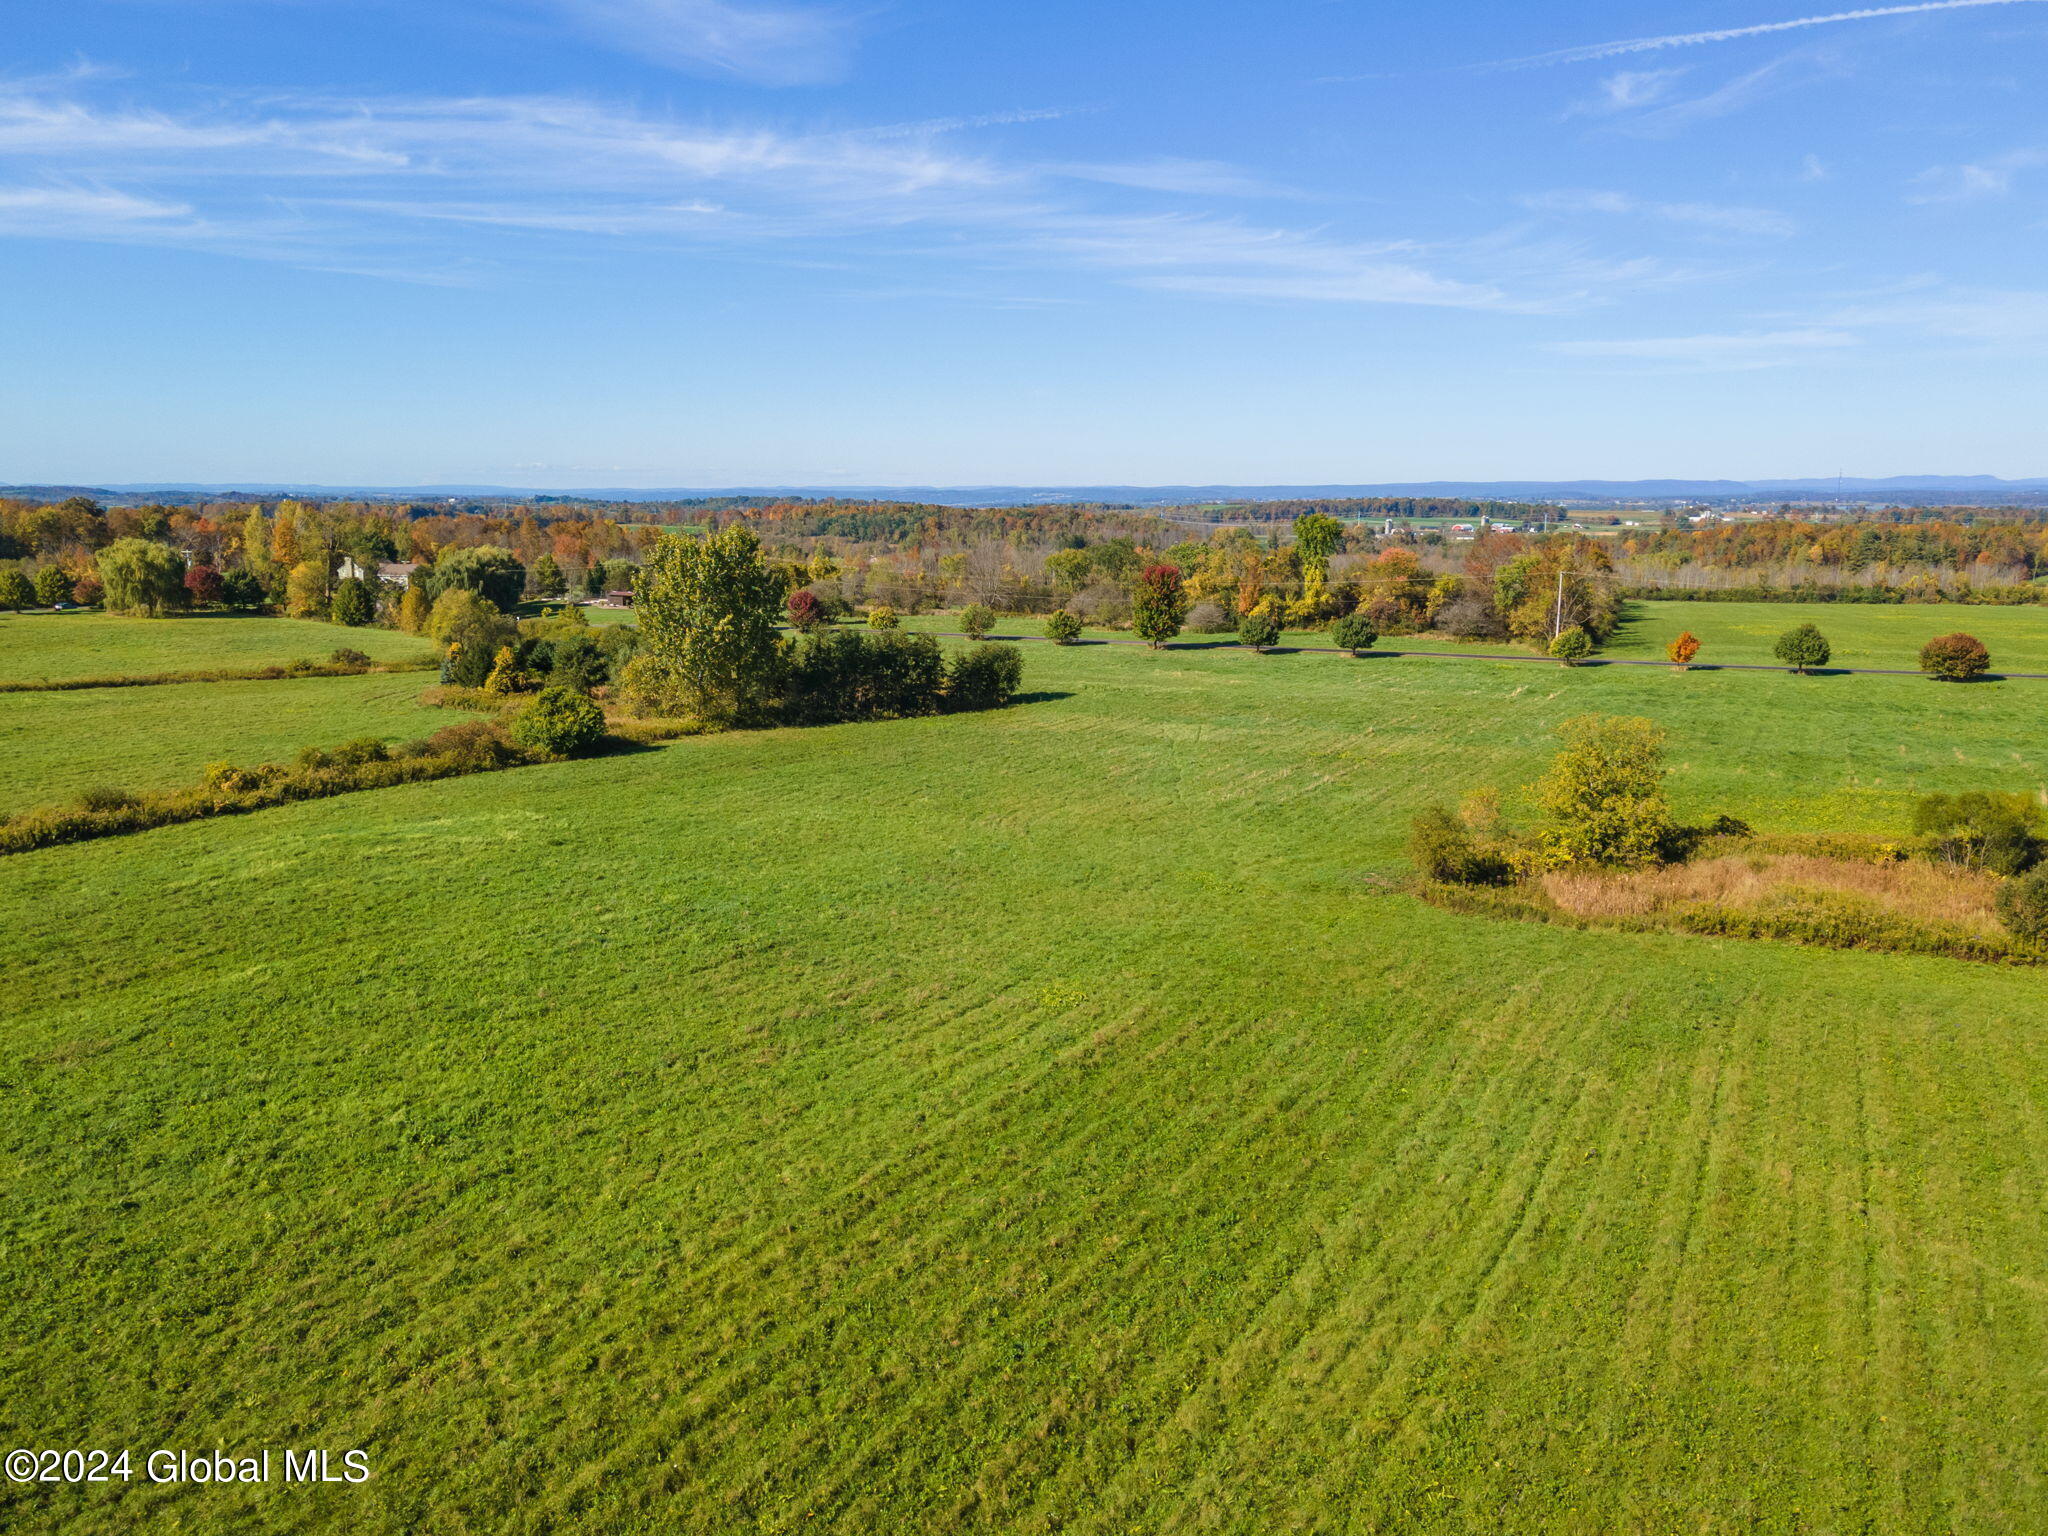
{"points": [[53, 745], [1048, 1120], [1861, 634], [56, 646]]}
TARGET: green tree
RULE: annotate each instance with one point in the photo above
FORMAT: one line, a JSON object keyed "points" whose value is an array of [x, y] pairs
{"points": [[1354, 633], [545, 579], [1605, 792], [16, 590], [489, 570], [882, 616], [1062, 627], [2023, 906], [985, 677], [53, 586], [709, 610], [352, 605], [560, 722], [471, 631], [239, 588], [1803, 647], [1159, 604], [1070, 569], [1257, 630], [976, 621], [141, 576]]}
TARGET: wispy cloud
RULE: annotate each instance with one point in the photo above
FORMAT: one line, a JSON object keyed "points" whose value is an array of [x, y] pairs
{"points": [[1970, 183], [375, 184], [1628, 90], [1672, 40], [1715, 218], [768, 44], [1764, 349], [1993, 316]]}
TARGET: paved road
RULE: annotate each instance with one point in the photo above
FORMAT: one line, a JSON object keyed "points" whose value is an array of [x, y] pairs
{"points": [[1547, 661]]}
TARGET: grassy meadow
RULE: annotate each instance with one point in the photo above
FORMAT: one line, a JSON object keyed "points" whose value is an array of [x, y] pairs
{"points": [[55, 745], [1860, 634], [1052, 1120], [53, 647]]}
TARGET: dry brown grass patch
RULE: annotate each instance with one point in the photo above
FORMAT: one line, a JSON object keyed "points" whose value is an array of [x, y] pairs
{"points": [[1758, 883]]}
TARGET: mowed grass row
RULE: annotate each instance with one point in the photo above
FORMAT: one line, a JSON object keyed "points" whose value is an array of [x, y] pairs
{"points": [[54, 647], [55, 745], [1035, 1121]]}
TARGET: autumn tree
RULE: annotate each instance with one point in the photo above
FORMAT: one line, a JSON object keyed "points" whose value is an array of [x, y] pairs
{"points": [[1683, 649], [1955, 658], [203, 584], [708, 610], [1159, 604], [1317, 536]]}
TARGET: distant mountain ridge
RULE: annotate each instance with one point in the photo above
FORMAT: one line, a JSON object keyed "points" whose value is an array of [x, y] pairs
{"points": [[1920, 486]]}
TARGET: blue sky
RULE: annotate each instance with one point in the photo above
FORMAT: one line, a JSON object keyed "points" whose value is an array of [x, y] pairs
{"points": [[713, 242]]}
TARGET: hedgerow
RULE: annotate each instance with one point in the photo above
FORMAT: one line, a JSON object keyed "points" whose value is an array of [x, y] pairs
{"points": [[291, 669]]}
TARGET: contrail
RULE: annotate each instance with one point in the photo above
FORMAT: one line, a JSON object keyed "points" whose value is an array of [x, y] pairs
{"points": [[1729, 34]]}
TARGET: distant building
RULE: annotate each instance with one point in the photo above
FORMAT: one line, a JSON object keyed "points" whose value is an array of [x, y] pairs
{"points": [[392, 573], [618, 599]]}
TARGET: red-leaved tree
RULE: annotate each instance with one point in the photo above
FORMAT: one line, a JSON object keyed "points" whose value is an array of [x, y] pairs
{"points": [[203, 582], [805, 611]]}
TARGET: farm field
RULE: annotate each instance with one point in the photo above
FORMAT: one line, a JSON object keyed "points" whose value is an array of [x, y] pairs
{"points": [[1861, 634], [57, 646], [1046, 1120], [55, 745]]}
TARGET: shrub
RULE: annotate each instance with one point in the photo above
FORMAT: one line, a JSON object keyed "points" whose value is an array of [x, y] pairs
{"points": [[105, 799], [1683, 649], [647, 687], [473, 744], [976, 621], [1802, 648], [560, 722], [364, 749], [53, 586], [352, 605], [1062, 627], [16, 590], [806, 613], [1257, 631], [2023, 906], [575, 660], [348, 656], [1955, 658], [843, 674], [1572, 646], [2000, 833], [984, 678], [1605, 792], [882, 616], [1442, 849], [1209, 619], [1354, 633]]}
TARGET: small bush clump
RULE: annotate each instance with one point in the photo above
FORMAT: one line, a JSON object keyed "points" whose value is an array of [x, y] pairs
{"points": [[976, 620], [559, 722], [1257, 631], [2023, 906], [1062, 627]]}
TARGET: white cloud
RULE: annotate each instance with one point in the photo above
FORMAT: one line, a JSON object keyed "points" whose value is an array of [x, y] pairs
{"points": [[1971, 183], [1988, 315], [1210, 178], [1711, 217], [768, 44], [1732, 34], [68, 205], [1766, 349]]}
